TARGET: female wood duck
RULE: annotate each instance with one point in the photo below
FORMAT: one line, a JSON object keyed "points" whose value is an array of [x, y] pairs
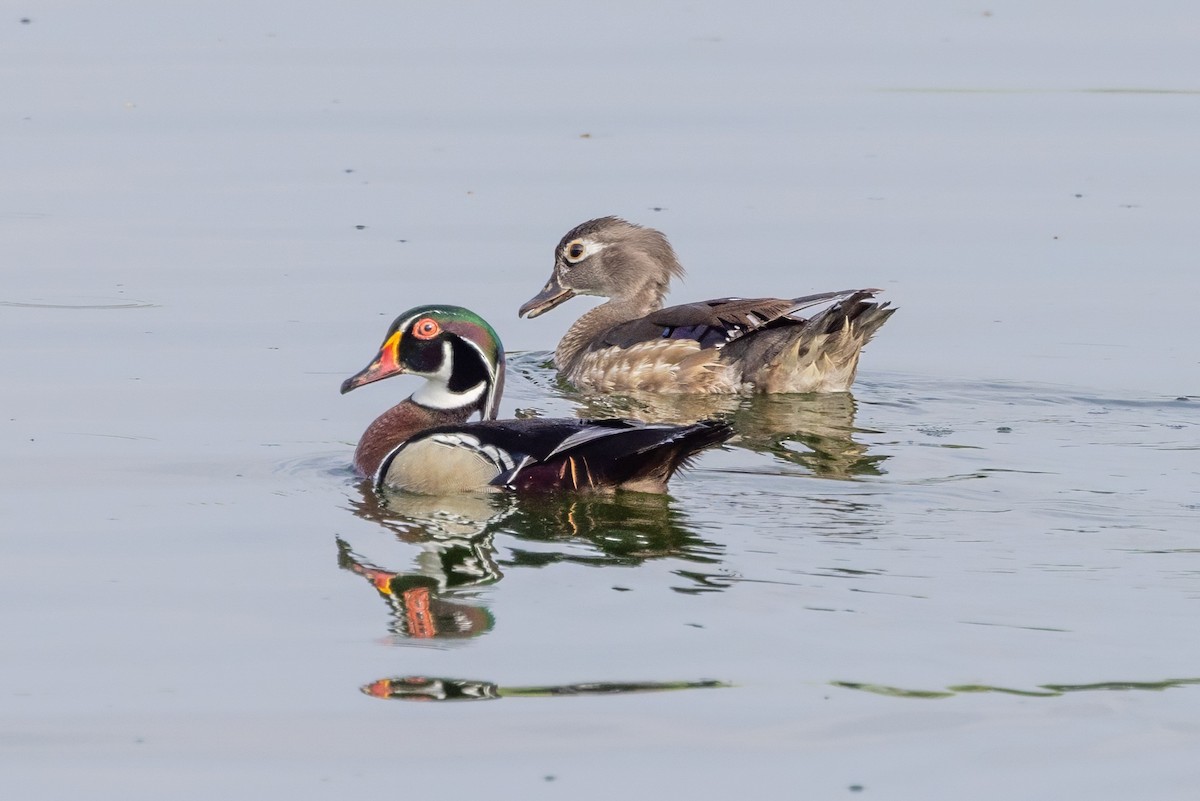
{"points": [[425, 445], [715, 346]]}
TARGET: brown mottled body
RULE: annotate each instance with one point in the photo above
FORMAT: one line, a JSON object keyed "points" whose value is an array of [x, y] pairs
{"points": [[662, 365], [726, 346], [788, 355]]}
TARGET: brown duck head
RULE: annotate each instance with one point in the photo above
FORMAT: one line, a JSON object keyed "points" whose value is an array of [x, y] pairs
{"points": [[611, 258]]}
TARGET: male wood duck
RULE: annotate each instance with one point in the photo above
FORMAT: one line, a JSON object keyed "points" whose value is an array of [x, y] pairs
{"points": [[425, 444], [730, 345]]}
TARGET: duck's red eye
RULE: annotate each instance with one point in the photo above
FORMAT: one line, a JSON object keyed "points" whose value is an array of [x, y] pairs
{"points": [[426, 328]]}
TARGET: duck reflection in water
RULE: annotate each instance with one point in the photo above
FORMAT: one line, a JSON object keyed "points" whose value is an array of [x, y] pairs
{"points": [[624, 530], [436, 598], [425, 688], [439, 598]]}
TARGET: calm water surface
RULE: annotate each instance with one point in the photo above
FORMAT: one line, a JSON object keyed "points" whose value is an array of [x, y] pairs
{"points": [[978, 576]]}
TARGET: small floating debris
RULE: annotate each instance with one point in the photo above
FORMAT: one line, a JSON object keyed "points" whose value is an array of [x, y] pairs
{"points": [[935, 431]]}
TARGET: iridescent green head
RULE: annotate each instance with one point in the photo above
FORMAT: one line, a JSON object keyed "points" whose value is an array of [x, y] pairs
{"points": [[454, 349]]}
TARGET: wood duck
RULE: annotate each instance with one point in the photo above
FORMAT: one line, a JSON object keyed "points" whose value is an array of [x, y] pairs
{"points": [[425, 444], [729, 345]]}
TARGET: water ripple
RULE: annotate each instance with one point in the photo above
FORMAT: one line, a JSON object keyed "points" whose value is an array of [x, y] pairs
{"points": [[97, 303], [1043, 690]]}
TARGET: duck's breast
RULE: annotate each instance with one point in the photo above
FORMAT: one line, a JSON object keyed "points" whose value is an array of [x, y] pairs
{"points": [[441, 465]]}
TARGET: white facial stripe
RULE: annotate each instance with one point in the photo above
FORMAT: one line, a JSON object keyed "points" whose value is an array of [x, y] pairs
{"points": [[590, 248], [403, 326], [435, 392], [492, 369]]}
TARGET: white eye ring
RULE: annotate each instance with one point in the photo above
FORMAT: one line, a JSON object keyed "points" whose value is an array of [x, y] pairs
{"points": [[577, 250]]}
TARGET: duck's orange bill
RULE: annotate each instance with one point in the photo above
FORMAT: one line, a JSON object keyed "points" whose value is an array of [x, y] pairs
{"points": [[387, 363]]}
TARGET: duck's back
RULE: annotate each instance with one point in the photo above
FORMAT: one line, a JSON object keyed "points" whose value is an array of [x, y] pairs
{"points": [[733, 345]]}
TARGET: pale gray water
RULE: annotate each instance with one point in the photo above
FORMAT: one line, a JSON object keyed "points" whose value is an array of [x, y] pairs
{"points": [[977, 578]]}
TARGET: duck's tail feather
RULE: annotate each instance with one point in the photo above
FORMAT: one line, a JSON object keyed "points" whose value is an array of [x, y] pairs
{"points": [[817, 354], [651, 466]]}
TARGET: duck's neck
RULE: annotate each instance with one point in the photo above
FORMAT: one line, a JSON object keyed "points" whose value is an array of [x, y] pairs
{"points": [[595, 322], [397, 425]]}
